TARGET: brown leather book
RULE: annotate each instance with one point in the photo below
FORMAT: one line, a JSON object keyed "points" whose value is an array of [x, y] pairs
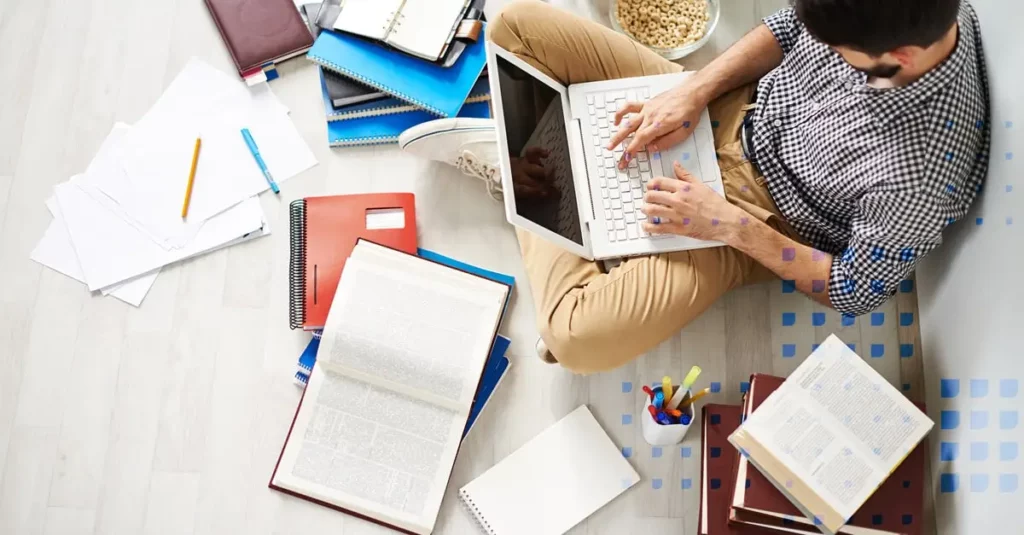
{"points": [[896, 507], [258, 32], [718, 464]]}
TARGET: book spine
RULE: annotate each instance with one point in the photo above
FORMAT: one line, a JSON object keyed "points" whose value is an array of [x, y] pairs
{"points": [[359, 78], [470, 506], [297, 264]]}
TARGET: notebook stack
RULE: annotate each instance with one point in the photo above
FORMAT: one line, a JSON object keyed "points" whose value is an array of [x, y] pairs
{"points": [[373, 90], [834, 449], [121, 220]]}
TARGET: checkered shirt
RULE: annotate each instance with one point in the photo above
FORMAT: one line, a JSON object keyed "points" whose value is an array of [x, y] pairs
{"points": [[871, 176]]}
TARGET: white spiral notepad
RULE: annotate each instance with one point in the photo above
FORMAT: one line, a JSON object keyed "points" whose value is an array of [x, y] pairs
{"points": [[419, 27], [555, 481]]}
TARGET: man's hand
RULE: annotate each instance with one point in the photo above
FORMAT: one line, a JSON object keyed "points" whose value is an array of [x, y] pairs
{"points": [[664, 121], [687, 207], [529, 176]]}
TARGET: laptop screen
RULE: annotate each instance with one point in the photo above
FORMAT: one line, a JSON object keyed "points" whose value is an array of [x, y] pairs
{"points": [[539, 152]]}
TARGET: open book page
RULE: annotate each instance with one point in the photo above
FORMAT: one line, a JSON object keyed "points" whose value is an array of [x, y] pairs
{"points": [[837, 425], [423, 27], [370, 450], [411, 325], [369, 18]]}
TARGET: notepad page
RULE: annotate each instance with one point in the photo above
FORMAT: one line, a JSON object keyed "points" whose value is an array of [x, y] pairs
{"points": [[554, 482], [423, 26], [369, 18]]}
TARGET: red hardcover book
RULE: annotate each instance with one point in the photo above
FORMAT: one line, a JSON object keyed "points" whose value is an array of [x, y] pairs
{"points": [[324, 230], [260, 32], [895, 508]]}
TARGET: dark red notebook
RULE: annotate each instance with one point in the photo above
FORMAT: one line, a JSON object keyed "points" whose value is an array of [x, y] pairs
{"points": [[260, 32], [895, 507]]}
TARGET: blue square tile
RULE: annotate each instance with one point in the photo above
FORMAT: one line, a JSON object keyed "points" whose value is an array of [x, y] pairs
{"points": [[746, 485], [906, 319], [906, 483], [907, 519], [949, 451], [876, 520], [949, 388], [950, 419], [788, 351], [1007, 420], [906, 387], [788, 286], [685, 452], [979, 419], [979, 451], [979, 221], [814, 347], [979, 388], [716, 419], [687, 484], [906, 286], [1008, 388], [848, 320], [627, 452], [979, 482], [744, 386], [656, 452], [877, 319], [1007, 483], [715, 483], [818, 319], [715, 452], [877, 351], [716, 387], [656, 483], [949, 483], [788, 319], [906, 350], [1008, 451], [853, 347], [627, 387], [627, 419]]}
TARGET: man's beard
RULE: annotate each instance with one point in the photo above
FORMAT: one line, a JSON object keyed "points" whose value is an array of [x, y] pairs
{"points": [[881, 71]]}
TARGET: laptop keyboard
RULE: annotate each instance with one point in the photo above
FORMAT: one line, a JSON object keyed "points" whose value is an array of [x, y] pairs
{"points": [[622, 190]]}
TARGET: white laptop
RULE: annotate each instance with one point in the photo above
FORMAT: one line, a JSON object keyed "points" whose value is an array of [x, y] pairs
{"points": [[596, 211]]}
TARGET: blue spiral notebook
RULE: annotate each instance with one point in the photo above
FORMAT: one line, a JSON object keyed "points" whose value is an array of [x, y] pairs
{"points": [[481, 92], [385, 129], [429, 86]]}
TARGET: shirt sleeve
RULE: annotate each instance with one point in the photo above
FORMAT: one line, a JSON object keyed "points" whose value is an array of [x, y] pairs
{"points": [[891, 233], [785, 27]]}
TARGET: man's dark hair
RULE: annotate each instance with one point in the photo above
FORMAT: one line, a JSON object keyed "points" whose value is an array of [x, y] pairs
{"points": [[877, 26]]}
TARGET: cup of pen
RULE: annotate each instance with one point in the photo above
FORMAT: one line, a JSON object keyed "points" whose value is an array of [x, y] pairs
{"points": [[659, 425]]}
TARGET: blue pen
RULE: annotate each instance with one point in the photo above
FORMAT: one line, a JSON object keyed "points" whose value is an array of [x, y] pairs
{"points": [[259, 159], [659, 399]]}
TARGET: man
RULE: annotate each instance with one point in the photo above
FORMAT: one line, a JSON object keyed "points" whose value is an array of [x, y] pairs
{"points": [[865, 136]]}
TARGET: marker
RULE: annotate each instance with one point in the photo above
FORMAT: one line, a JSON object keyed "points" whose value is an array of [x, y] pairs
{"points": [[690, 378], [648, 391], [666, 386], [676, 413], [676, 398], [685, 420], [659, 400], [695, 397], [259, 159], [653, 411], [663, 419]]}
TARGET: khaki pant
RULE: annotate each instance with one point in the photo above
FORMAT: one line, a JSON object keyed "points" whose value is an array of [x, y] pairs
{"points": [[591, 320]]}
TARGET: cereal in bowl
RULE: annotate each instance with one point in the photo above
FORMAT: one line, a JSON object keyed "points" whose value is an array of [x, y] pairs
{"points": [[664, 23]]}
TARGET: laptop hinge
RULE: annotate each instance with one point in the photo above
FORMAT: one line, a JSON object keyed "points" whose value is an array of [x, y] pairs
{"points": [[577, 143]]}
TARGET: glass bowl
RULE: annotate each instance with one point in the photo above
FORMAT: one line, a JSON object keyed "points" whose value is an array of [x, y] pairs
{"points": [[714, 10]]}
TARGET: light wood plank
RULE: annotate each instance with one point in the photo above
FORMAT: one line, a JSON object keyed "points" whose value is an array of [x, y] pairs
{"points": [[172, 503], [67, 521], [27, 479]]}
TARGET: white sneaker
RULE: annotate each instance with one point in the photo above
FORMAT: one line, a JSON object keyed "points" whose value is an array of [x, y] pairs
{"points": [[543, 353], [471, 145]]}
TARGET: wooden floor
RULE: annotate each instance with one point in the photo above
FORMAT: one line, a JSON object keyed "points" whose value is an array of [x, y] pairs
{"points": [[169, 418]]}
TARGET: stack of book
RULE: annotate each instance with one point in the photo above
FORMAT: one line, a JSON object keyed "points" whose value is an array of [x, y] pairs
{"points": [[373, 92], [833, 449]]}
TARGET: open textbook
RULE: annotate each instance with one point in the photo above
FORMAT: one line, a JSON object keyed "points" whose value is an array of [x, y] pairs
{"points": [[381, 419], [829, 436]]}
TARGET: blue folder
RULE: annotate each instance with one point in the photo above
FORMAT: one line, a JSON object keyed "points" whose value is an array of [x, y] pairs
{"points": [[439, 90], [384, 129], [481, 92]]}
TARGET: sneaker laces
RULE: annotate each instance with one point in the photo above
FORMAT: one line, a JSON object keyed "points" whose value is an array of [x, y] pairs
{"points": [[469, 164]]}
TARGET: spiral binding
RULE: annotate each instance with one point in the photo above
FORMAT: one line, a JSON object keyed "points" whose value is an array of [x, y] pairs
{"points": [[297, 264], [388, 110], [345, 72], [364, 141], [470, 506]]}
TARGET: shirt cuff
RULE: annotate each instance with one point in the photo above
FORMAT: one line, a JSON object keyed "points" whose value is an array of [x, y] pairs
{"points": [[785, 27]]}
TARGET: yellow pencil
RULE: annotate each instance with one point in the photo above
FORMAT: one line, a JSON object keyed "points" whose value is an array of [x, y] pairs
{"points": [[191, 179], [694, 397]]}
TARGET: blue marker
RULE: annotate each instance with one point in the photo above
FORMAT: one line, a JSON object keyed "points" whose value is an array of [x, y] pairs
{"points": [[685, 420], [663, 419], [259, 159], [659, 399]]}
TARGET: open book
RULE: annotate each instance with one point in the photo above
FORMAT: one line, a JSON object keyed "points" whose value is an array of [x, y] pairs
{"points": [[422, 28], [830, 435], [380, 422]]}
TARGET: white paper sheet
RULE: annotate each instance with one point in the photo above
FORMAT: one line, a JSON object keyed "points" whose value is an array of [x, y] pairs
{"points": [[157, 152]]}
